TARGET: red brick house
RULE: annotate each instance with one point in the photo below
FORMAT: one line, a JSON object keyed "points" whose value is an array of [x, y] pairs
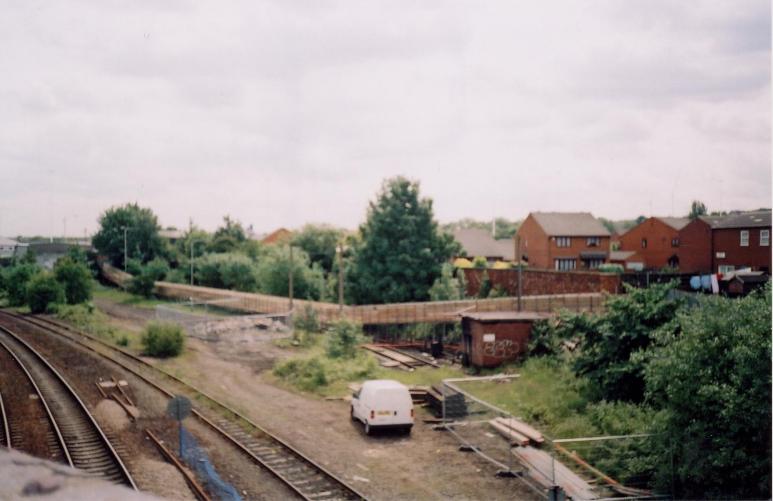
{"points": [[655, 241], [742, 241], [563, 241], [695, 247]]}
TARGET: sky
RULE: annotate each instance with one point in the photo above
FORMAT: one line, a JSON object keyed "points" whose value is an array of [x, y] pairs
{"points": [[285, 112]]}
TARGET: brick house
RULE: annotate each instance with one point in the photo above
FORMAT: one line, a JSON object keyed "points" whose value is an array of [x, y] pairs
{"points": [[742, 241], [563, 240], [479, 242], [695, 245], [655, 242]]}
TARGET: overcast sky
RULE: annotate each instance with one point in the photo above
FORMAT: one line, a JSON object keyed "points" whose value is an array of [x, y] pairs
{"points": [[285, 112]]}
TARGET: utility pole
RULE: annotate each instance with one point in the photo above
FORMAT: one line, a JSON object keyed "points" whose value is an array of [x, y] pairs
{"points": [[192, 241], [290, 281], [340, 278], [520, 266], [125, 247]]}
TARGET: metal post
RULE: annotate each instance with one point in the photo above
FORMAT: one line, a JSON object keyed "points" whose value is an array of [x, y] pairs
{"points": [[340, 279], [519, 264], [180, 431], [191, 262], [125, 247], [290, 281]]}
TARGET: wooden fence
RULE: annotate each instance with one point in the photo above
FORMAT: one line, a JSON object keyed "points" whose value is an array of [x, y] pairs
{"points": [[395, 313]]}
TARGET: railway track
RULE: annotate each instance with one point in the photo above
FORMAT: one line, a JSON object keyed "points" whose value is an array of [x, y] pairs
{"points": [[298, 472], [82, 442]]}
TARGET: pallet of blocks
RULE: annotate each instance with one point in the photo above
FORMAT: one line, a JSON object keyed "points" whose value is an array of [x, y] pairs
{"points": [[455, 405]]}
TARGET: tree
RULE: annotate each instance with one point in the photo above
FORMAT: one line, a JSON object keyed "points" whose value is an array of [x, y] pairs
{"points": [[75, 277], [42, 291], [446, 287], [697, 208], [143, 241], [712, 383], [628, 326], [274, 271], [402, 249], [228, 237], [320, 243]]}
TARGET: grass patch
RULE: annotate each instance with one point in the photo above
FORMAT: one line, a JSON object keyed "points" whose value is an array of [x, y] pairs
{"points": [[89, 319], [120, 296]]}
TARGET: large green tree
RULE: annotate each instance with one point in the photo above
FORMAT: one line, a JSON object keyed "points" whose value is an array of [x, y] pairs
{"points": [[228, 237], [75, 277], [402, 249], [712, 381], [274, 271], [142, 240], [320, 243]]}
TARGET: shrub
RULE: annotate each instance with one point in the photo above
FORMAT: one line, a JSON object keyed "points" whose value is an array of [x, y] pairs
{"points": [[274, 271], [75, 277], [306, 373], [227, 271], [343, 339], [43, 291], [15, 282], [133, 266], [143, 283], [307, 320], [610, 268], [485, 286], [123, 341], [163, 339], [446, 287], [480, 262]]}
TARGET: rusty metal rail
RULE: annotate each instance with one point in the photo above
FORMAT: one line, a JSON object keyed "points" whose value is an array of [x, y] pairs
{"points": [[83, 442], [198, 490], [305, 477], [5, 440]]}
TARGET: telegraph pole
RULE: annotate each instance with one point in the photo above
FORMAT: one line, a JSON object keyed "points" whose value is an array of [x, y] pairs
{"points": [[520, 266], [125, 247], [340, 278]]}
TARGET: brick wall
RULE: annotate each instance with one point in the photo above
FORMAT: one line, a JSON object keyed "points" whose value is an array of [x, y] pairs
{"points": [[728, 240], [542, 282]]}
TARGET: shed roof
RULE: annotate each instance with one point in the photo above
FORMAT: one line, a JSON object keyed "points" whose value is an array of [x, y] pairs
{"points": [[619, 255], [504, 316], [751, 219], [479, 242], [570, 224]]}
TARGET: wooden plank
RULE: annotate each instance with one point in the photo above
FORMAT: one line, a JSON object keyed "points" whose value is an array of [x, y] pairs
{"points": [[543, 468], [513, 436], [522, 428]]}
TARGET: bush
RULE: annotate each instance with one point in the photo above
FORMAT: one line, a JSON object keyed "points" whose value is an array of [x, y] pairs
{"points": [[480, 262], [274, 271], [15, 282], [227, 271], [610, 268], [163, 339], [144, 283], [485, 286], [307, 374], [307, 320], [344, 337], [43, 291], [75, 277]]}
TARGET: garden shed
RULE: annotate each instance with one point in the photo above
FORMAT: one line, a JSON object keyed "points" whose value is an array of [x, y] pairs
{"points": [[492, 338]]}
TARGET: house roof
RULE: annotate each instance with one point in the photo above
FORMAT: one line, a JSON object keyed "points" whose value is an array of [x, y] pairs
{"points": [[8, 242], [676, 223], [570, 224], [751, 219], [277, 236], [479, 242]]}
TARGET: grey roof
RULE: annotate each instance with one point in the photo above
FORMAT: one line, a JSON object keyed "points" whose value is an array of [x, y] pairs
{"points": [[751, 219], [676, 223], [479, 242], [570, 224]]}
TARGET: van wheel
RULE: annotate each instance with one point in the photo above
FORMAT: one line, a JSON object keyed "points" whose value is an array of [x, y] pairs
{"points": [[367, 428], [407, 430], [351, 413]]}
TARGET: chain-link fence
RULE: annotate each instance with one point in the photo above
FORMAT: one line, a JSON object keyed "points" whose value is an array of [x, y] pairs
{"points": [[578, 468], [196, 459]]}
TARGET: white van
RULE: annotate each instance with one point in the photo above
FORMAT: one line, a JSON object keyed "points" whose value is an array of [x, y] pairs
{"points": [[383, 403]]}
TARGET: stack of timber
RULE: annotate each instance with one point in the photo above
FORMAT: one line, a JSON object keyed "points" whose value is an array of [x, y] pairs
{"points": [[456, 406], [392, 357], [517, 432], [547, 471]]}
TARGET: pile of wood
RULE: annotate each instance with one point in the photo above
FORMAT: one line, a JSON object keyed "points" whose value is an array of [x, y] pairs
{"points": [[517, 432], [456, 406]]}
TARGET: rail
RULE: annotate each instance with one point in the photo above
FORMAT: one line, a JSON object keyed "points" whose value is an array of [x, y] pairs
{"points": [[84, 442], [306, 478], [6, 429]]}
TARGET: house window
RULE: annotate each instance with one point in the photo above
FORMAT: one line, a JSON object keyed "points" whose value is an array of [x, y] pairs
{"points": [[643, 243], [674, 242], [744, 238], [726, 268], [565, 264], [764, 238], [563, 242], [593, 241], [594, 263]]}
